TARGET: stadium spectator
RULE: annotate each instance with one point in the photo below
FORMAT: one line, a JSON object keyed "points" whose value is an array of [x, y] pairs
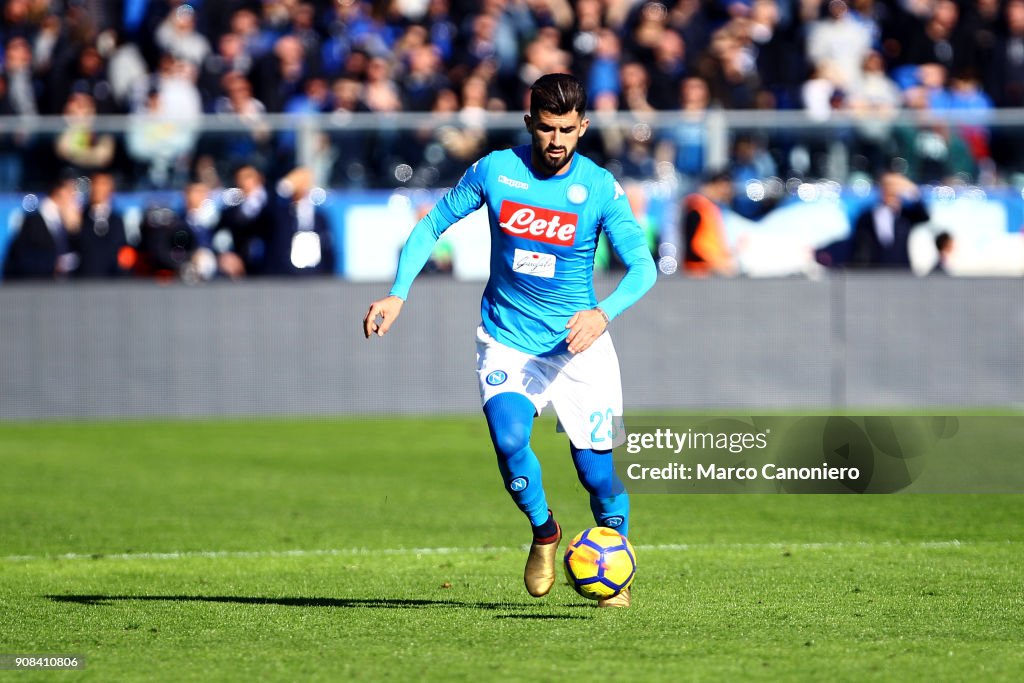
{"points": [[667, 70], [303, 27], [280, 76], [839, 43], [17, 71], [729, 68], [636, 88], [965, 96], [685, 144], [102, 237], [315, 98], [230, 57], [248, 216], [945, 245], [255, 42], [178, 37], [250, 142], [881, 232], [43, 247], [79, 147], [605, 143], [179, 96], [874, 100], [780, 53], [301, 243], [940, 40], [127, 71], [14, 146], [441, 28], [645, 32], [1005, 78], [424, 78], [693, 23], [541, 55], [586, 32], [350, 147], [84, 72], [161, 144], [208, 244], [380, 91], [705, 245], [603, 72], [751, 164], [165, 244], [933, 150]]}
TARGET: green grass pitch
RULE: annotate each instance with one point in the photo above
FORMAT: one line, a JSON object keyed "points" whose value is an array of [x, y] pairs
{"points": [[163, 551]]}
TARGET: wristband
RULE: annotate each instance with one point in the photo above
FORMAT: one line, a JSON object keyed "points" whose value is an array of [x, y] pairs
{"points": [[607, 320]]}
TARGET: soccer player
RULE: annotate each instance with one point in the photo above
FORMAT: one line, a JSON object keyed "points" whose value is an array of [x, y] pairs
{"points": [[543, 337]]}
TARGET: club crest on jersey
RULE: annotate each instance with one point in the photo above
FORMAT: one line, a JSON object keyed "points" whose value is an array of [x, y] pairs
{"points": [[497, 377], [538, 224], [577, 194]]}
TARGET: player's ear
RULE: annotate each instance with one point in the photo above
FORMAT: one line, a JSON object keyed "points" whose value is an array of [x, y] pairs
{"points": [[529, 123], [584, 124]]}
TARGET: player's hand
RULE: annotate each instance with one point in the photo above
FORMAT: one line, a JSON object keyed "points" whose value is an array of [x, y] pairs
{"points": [[584, 328], [381, 316]]}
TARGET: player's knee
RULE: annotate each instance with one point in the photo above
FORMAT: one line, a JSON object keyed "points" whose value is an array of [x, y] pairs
{"points": [[510, 420], [596, 471], [510, 441], [600, 483]]}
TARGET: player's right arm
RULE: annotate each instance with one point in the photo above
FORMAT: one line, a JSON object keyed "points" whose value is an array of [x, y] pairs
{"points": [[462, 200]]}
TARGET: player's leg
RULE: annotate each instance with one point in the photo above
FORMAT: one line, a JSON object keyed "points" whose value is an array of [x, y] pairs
{"points": [[587, 395], [512, 389], [510, 422], [608, 498]]}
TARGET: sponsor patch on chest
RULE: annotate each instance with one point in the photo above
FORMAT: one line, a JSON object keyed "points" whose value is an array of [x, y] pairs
{"points": [[538, 224], [534, 263]]}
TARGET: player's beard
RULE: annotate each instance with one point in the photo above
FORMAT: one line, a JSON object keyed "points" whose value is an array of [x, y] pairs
{"points": [[548, 164]]}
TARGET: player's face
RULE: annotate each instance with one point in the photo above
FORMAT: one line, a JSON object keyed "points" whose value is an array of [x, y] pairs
{"points": [[555, 137]]}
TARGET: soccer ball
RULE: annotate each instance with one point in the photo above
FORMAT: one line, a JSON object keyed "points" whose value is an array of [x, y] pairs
{"points": [[600, 563]]}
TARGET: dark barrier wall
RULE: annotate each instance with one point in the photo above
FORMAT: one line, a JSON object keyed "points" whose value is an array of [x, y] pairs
{"points": [[290, 347]]}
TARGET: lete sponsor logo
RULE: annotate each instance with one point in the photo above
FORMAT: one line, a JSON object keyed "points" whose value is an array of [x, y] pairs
{"points": [[538, 224]]}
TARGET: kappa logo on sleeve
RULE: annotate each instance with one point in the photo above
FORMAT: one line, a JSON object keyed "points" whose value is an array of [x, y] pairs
{"points": [[538, 224], [518, 184]]}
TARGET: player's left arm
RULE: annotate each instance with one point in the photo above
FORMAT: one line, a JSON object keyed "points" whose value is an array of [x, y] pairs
{"points": [[630, 243], [458, 203]]}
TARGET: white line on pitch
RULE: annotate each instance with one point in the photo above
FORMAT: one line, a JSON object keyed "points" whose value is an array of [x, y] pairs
{"points": [[665, 547]]}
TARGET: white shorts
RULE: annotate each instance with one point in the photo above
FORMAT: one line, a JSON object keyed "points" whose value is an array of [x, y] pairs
{"points": [[584, 388]]}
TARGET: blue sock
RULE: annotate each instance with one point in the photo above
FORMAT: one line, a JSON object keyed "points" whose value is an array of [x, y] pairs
{"points": [[608, 498], [510, 421]]}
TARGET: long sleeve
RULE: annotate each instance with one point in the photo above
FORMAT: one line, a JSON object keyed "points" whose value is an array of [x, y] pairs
{"points": [[462, 200], [630, 244]]}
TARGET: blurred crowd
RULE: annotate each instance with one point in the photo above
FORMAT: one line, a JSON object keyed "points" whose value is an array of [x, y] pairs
{"points": [[75, 231], [164, 60], [167, 63]]}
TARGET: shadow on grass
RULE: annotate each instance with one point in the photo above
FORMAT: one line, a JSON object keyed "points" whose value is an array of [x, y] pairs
{"points": [[542, 616], [365, 603]]}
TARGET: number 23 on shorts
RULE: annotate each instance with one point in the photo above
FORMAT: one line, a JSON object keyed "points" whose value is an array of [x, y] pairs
{"points": [[605, 428]]}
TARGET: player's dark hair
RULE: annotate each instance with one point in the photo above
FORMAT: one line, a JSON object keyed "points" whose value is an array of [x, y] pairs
{"points": [[942, 241], [557, 94]]}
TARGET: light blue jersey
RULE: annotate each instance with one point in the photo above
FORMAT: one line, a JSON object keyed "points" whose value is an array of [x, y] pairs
{"points": [[544, 231]]}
